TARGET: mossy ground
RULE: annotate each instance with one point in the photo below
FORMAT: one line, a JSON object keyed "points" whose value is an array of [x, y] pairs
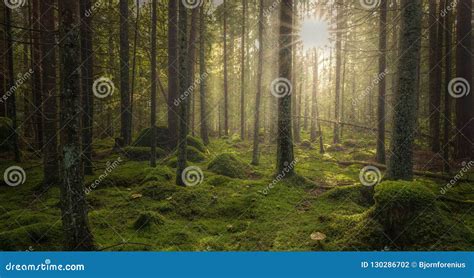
{"points": [[143, 208]]}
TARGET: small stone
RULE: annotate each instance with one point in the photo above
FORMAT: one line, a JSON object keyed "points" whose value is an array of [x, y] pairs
{"points": [[317, 236]]}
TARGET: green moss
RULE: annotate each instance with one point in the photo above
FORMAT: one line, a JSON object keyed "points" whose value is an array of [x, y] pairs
{"points": [[39, 236], [218, 180], [306, 144], [141, 153], [196, 143], [229, 165], [194, 155], [159, 191], [147, 219], [162, 138], [159, 173]]}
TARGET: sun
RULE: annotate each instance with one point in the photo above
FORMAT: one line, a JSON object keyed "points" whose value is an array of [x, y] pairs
{"points": [[314, 33]]}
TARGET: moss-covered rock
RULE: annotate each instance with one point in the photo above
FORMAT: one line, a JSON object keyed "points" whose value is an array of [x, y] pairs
{"points": [[196, 143], [144, 138], [229, 165], [218, 180], [39, 236], [147, 219], [159, 173], [306, 144], [159, 191], [5, 132], [194, 155], [141, 153]]}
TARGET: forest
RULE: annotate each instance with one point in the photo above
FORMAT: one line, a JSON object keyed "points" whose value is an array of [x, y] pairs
{"points": [[236, 125]]}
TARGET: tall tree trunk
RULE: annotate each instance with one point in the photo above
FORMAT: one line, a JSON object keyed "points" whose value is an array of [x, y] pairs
{"points": [[465, 103], [242, 70], [226, 85], [183, 86], [173, 82], [401, 161], [382, 83], [73, 201], [3, 66], [153, 83], [190, 60], [447, 78], [50, 106], [36, 78], [87, 55], [134, 58], [203, 75], [11, 102], [434, 77], [285, 154], [314, 131], [258, 96], [337, 102], [125, 105]]}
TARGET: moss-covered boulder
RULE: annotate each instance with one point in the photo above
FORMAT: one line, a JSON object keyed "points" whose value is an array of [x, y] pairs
{"points": [[5, 132], [194, 155], [39, 236], [141, 153], [229, 165], [144, 138], [147, 219], [196, 143]]}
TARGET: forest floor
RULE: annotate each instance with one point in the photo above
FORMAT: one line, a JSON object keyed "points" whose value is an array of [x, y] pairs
{"points": [[136, 207]]}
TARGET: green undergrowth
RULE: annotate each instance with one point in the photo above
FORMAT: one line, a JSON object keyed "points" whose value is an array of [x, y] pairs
{"points": [[239, 207]]}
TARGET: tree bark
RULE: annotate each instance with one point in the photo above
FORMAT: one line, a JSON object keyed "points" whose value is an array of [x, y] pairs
{"points": [[125, 105], [36, 78], [337, 102], [73, 202], [226, 85], [173, 82], [285, 154], [447, 24], [153, 83], [242, 70], [258, 96], [314, 130], [203, 72], [401, 160], [382, 83]]}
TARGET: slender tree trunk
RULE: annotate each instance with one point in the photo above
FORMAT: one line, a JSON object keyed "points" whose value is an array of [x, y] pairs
{"points": [[242, 70], [382, 83], [125, 103], [134, 58], [400, 165], [36, 78], [447, 78], [258, 96], [50, 106], [73, 201], [11, 102], [173, 82], [434, 76], [203, 73], [190, 60], [337, 103], [183, 86], [3, 66], [226, 89], [314, 131], [285, 154], [153, 83], [87, 55], [465, 103]]}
